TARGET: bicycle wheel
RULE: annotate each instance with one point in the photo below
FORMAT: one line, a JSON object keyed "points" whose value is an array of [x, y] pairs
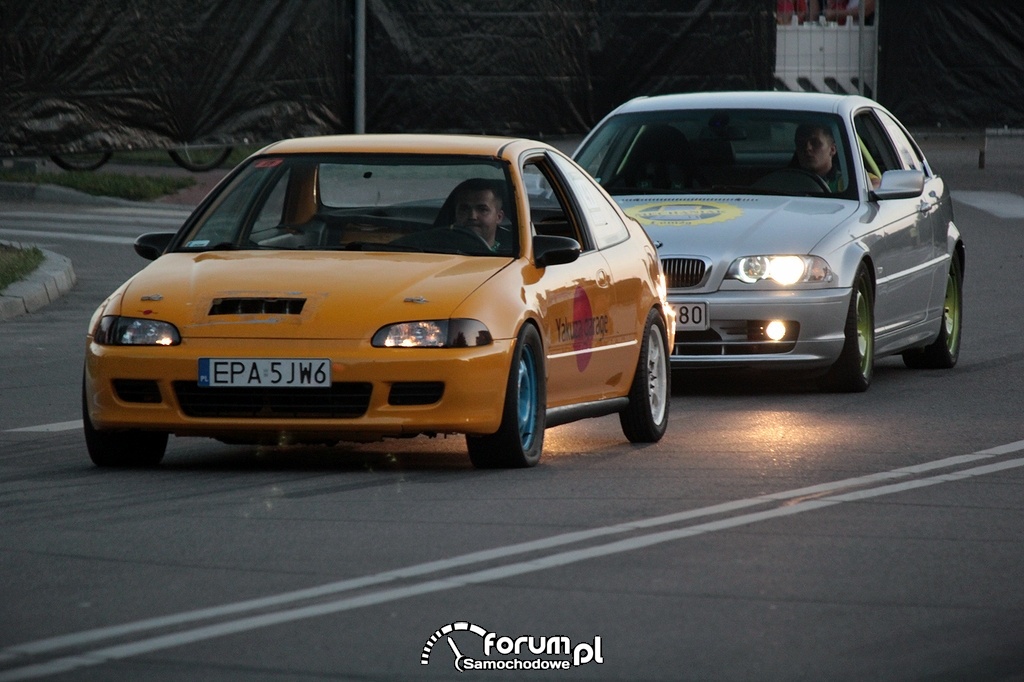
{"points": [[85, 161], [200, 158]]}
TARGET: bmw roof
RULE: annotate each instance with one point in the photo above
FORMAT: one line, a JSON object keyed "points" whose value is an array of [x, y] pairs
{"points": [[805, 101]]}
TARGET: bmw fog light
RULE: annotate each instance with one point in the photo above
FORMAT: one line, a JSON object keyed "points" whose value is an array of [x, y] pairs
{"points": [[775, 330]]}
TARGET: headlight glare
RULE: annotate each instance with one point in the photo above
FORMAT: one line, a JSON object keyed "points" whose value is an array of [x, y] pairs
{"points": [[114, 330], [785, 270], [456, 333], [425, 334]]}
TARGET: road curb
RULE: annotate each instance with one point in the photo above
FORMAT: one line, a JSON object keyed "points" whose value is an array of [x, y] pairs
{"points": [[54, 278], [21, 192], [24, 192]]}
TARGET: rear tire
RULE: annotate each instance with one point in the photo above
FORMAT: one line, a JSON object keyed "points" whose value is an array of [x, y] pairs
{"points": [[945, 350], [519, 440], [852, 372], [122, 448], [646, 418]]}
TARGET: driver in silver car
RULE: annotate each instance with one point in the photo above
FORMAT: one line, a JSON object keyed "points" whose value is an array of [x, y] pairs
{"points": [[816, 152]]}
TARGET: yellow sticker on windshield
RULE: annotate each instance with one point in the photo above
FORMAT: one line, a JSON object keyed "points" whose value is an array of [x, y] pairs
{"points": [[682, 213]]}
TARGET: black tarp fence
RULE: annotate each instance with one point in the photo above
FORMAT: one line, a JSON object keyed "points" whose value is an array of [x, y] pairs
{"points": [[88, 75], [952, 63], [553, 67], [94, 75]]}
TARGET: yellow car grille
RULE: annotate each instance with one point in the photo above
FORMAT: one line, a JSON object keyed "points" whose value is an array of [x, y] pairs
{"points": [[346, 400]]}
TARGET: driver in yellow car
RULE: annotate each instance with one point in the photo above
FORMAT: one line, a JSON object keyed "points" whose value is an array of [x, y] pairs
{"points": [[479, 209]]}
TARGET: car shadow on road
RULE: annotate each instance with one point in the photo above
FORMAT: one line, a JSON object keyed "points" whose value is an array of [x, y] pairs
{"points": [[752, 382], [419, 454]]}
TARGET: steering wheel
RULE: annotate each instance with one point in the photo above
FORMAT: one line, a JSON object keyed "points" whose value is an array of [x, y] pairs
{"points": [[793, 180], [464, 236]]}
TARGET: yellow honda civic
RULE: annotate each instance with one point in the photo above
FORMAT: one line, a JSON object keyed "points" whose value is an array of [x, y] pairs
{"points": [[355, 288]]}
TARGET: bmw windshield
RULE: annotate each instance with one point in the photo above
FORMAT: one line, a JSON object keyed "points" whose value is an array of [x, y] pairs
{"points": [[737, 151]]}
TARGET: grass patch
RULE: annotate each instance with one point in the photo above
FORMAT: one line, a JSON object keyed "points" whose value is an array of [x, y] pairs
{"points": [[160, 157], [16, 264], [133, 187]]}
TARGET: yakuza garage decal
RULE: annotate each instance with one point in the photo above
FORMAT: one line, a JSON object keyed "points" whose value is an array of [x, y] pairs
{"points": [[582, 329]]}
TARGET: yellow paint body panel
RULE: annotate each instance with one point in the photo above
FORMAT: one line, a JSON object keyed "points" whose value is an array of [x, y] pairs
{"points": [[590, 313]]}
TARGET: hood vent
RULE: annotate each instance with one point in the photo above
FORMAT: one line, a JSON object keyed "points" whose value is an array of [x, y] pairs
{"points": [[257, 306]]}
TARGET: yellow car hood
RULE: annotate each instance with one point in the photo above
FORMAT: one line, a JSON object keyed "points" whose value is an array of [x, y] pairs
{"points": [[302, 294]]}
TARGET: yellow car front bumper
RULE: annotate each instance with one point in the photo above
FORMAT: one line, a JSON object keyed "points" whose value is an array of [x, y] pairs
{"points": [[375, 392]]}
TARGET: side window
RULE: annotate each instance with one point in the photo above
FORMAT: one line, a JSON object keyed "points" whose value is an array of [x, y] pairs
{"points": [[876, 149], [550, 212], [909, 154], [601, 217]]}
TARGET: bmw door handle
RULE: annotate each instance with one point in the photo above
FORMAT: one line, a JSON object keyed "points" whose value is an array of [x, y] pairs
{"points": [[603, 280]]}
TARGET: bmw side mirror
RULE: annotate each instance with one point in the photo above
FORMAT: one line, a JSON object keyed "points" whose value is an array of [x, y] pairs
{"points": [[553, 250], [153, 244], [899, 184]]}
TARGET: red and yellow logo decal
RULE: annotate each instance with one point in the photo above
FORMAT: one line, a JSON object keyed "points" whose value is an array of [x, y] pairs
{"points": [[583, 329], [682, 213]]}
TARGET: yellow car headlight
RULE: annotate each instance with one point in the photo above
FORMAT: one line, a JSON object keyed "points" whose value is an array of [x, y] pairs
{"points": [[114, 330], [457, 333]]}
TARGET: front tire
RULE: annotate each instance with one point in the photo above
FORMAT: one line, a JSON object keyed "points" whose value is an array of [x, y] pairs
{"points": [[945, 350], [519, 440], [122, 448], [646, 418], [852, 372]]}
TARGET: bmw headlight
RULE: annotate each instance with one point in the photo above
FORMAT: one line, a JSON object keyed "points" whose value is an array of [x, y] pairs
{"points": [[457, 333], [114, 330], [784, 270]]}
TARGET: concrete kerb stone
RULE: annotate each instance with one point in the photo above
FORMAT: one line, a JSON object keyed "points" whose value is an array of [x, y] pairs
{"points": [[54, 278], [23, 192]]}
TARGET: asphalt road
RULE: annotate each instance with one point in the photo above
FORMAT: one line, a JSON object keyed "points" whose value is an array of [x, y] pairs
{"points": [[776, 533]]}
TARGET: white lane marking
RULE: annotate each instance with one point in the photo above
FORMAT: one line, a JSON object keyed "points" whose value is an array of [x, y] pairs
{"points": [[201, 633], [999, 204], [49, 428]]}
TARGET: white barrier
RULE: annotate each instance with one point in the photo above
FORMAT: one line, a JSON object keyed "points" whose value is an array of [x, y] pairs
{"points": [[826, 58]]}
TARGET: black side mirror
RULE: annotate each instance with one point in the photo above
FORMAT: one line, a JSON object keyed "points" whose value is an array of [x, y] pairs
{"points": [[552, 250], [153, 244]]}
